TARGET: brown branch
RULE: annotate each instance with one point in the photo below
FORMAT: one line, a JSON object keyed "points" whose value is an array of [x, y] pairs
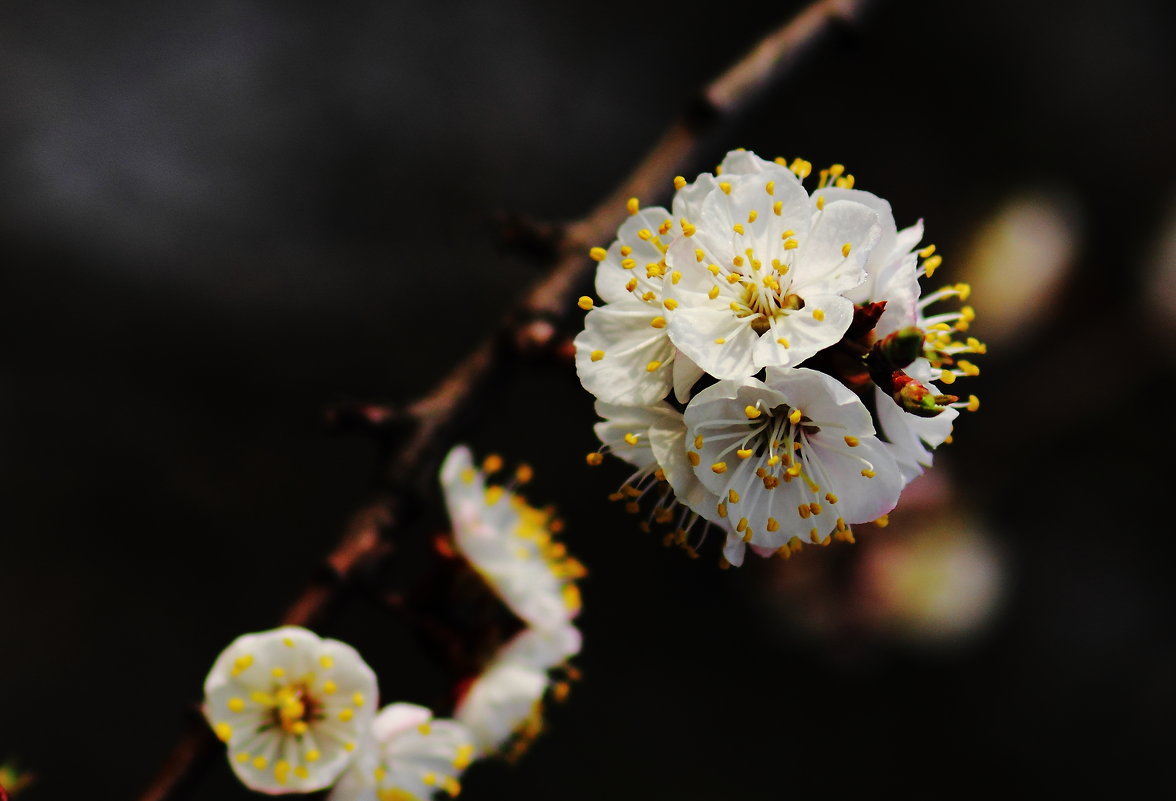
{"points": [[533, 323]]}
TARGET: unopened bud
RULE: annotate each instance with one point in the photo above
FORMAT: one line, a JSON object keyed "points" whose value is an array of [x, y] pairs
{"points": [[916, 398], [865, 317]]}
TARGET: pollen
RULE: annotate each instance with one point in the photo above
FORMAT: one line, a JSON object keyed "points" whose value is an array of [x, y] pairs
{"points": [[818, 314], [732, 496], [594, 459], [868, 473], [783, 342], [846, 248], [584, 302], [751, 412], [631, 438], [752, 215], [821, 203], [693, 458], [738, 228], [852, 441], [719, 467], [714, 292], [745, 453], [653, 365], [791, 244], [598, 254], [670, 303], [679, 182], [633, 205], [658, 322], [726, 187], [778, 207], [596, 355], [795, 416]]}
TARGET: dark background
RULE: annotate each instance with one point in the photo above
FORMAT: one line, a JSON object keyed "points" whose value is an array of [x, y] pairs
{"points": [[216, 218]]}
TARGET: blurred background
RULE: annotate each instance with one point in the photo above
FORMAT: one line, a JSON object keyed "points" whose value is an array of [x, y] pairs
{"points": [[218, 218]]}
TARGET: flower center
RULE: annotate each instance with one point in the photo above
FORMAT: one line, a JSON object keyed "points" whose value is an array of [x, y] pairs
{"points": [[293, 708]]}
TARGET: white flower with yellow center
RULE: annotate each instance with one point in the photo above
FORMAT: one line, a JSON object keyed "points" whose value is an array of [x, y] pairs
{"points": [[413, 758], [510, 544], [792, 456], [624, 355], [294, 709], [764, 269], [504, 705]]}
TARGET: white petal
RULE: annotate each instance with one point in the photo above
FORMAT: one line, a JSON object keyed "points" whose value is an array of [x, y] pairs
{"points": [[622, 332], [822, 267]]}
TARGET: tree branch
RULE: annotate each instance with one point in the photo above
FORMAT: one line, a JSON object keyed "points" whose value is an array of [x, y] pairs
{"points": [[533, 323]]}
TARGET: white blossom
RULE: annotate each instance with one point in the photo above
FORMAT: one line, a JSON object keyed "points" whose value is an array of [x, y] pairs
{"points": [[504, 705], [764, 269], [624, 354], [413, 757], [511, 544], [294, 709], [793, 455]]}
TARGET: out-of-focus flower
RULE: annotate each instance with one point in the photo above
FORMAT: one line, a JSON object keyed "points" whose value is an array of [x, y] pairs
{"points": [[1018, 260], [1160, 295], [293, 708], [412, 758], [503, 707], [933, 576], [12, 779], [511, 544], [753, 281]]}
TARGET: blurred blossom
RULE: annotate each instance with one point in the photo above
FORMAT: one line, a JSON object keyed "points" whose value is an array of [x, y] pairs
{"points": [[1019, 259], [1160, 289], [292, 708], [931, 575], [13, 779], [414, 757]]}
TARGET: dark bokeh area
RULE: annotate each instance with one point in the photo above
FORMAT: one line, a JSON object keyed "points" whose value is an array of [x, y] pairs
{"points": [[219, 218]]}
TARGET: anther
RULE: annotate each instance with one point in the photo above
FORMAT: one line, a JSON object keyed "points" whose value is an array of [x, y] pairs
{"points": [[795, 416], [670, 303], [594, 458], [852, 441], [598, 254], [584, 302], [633, 205], [719, 467], [751, 412], [679, 182], [818, 314], [596, 355], [658, 322], [846, 248], [631, 438]]}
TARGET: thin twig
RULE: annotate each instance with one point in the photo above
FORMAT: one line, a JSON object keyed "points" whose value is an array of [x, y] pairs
{"points": [[533, 323]]}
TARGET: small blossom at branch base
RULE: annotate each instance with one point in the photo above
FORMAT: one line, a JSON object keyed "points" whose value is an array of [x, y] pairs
{"points": [[413, 757], [503, 707], [511, 544], [294, 709]]}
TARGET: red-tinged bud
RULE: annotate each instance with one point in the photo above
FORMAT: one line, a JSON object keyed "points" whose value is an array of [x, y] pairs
{"points": [[865, 317], [916, 398]]}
